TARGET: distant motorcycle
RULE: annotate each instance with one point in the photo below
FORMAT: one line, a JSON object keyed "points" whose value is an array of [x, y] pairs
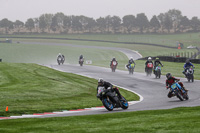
{"points": [[179, 92], [110, 100], [113, 66], [81, 62], [131, 68], [149, 69], [60, 59], [157, 71], [189, 73]]}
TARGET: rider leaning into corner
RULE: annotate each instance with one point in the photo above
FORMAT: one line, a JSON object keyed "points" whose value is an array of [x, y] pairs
{"points": [[131, 61], [157, 63], [187, 65], [149, 60], [113, 59], [108, 85], [171, 80]]}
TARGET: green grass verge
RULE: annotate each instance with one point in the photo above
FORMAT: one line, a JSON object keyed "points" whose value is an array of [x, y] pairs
{"points": [[169, 40], [31, 88], [181, 120], [163, 39]]}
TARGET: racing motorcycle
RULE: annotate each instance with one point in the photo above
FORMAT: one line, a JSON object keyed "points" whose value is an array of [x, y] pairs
{"points": [[189, 73], [113, 66], [81, 62], [157, 71], [131, 68], [110, 100], [60, 60], [149, 69], [179, 92]]}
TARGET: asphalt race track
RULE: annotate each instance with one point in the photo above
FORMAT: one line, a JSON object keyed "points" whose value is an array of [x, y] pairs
{"points": [[152, 91]]}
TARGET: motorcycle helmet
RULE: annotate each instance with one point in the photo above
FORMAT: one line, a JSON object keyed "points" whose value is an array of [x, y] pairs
{"points": [[187, 61], [149, 58], [168, 75], [100, 81], [157, 58]]}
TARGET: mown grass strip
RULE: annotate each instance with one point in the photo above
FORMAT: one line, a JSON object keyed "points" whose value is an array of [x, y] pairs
{"points": [[184, 120]]}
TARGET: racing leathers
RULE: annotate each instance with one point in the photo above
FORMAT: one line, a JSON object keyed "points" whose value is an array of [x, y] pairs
{"points": [[108, 85], [131, 61], [146, 63]]}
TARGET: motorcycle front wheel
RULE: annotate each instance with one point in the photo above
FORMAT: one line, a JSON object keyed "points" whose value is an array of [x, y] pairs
{"points": [[124, 103], [107, 104]]}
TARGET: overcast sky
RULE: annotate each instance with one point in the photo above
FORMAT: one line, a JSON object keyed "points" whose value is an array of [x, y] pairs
{"points": [[24, 9]]}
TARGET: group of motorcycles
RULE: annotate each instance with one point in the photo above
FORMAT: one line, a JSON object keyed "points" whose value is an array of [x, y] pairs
{"points": [[111, 101], [157, 70], [61, 60]]}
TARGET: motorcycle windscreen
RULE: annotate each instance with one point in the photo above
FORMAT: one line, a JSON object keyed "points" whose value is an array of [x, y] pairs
{"points": [[100, 89]]}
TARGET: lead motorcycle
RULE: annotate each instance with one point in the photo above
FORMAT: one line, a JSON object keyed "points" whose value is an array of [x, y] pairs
{"points": [[60, 60], [189, 73], [113, 66], [179, 92], [110, 99]]}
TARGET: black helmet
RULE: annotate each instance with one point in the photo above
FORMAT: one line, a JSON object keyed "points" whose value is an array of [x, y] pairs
{"points": [[168, 75]]}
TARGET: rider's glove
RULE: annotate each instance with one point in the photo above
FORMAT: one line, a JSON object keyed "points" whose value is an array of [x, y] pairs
{"points": [[98, 96]]}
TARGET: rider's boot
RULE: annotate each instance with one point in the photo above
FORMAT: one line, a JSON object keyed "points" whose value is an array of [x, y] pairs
{"points": [[185, 89]]}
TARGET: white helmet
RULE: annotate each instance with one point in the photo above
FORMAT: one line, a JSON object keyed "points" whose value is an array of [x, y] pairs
{"points": [[131, 58], [149, 58]]}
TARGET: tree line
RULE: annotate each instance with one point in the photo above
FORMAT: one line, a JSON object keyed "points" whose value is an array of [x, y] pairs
{"points": [[169, 22]]}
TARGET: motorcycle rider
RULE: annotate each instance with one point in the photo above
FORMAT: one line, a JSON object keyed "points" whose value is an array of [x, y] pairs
{"points": [[187, 65], [81, 57], [157, 63], [61, 56], [149, 60], [171, 80], [113, 59], [108, 85], [131, 61]]}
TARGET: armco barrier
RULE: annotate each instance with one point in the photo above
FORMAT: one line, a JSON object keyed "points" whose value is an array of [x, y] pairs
{"points": [[173, 59]]}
